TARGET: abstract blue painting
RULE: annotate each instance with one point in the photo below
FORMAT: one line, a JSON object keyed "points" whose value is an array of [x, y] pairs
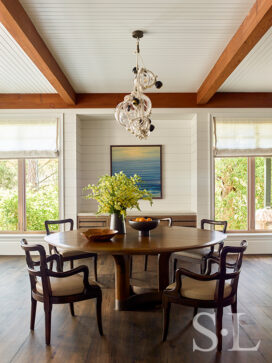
{"points": [[142, 160]]}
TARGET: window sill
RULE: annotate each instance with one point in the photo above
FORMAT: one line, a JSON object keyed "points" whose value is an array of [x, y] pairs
{"points": [[250, 234], [22, 234]]}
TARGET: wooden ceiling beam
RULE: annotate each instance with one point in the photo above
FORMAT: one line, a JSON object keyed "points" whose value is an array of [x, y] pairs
{"points": [[159, 100], [254, 26], [19, 25]]}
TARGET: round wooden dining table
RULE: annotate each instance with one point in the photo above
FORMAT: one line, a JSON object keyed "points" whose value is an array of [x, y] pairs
{"points": [[161, 242]]}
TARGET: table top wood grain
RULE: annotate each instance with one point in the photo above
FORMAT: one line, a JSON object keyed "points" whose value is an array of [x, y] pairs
{"points": [[163, 239]]}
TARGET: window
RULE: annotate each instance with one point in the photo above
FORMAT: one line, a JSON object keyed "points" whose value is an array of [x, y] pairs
{"points": [[28, 194], [8, 195], [29, 175], [242, 182], [243, 193]]}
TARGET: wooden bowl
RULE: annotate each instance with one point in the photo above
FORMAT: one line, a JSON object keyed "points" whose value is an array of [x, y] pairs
{"points": [[144, 227], [99, 234]]}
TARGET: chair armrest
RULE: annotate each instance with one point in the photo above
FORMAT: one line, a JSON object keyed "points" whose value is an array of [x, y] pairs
{"points": [[192, 275], [195, 276], [72, 272]]}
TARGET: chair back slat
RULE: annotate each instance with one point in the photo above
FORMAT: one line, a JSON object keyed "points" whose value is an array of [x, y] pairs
{"points": [[237, 254], [167, 219], [68, 221], [214, 223]]}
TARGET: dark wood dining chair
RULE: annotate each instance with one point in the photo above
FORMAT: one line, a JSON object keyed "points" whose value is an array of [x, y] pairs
{"points": [[68, 254], [169, 223], [214, 291], [50, 287], [200, 255]]}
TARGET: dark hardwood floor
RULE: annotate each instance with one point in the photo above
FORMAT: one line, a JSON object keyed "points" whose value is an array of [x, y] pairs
{"points": [[129, 336]]}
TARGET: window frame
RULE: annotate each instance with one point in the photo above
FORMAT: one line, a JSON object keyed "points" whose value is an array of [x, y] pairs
{"points": [[22, 220], [250, 197], [60, 157]]}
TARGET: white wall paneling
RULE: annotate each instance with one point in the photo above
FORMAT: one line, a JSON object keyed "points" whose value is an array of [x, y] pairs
{"points": [[78, 161], [193, 157], [175, 135], [70, 162]]}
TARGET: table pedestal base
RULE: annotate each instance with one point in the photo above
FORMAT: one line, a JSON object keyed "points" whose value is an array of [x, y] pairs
{"points": [[127, 298], [144, 301]]}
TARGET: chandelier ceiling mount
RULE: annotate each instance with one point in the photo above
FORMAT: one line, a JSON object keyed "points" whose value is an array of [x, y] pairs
{"points": [[138, 34]]}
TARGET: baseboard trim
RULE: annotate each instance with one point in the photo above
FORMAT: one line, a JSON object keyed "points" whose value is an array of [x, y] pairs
{"points": [[258, 244], [10, 243]]}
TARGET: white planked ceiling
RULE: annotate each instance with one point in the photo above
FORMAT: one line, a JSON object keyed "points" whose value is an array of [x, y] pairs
{"points": [[254, 73], [18, 74], [91, 40]]}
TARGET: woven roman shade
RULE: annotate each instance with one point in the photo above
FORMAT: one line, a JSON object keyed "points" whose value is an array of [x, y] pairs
{"points": [[26, 138], [242, 137]]}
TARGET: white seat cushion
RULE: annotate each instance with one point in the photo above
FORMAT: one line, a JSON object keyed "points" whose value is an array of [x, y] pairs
{"points": [[196, 254], [200, 290], [69, 253], [71, 285]]}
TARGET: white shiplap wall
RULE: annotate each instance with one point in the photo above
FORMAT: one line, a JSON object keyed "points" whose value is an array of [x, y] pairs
{"points": [[70, 165], [78, 158], [175, 135], [203, 166], [194, 164]]}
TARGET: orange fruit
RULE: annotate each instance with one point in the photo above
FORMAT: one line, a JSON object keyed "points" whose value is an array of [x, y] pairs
{"points": [[141, 219], [149, 220]]}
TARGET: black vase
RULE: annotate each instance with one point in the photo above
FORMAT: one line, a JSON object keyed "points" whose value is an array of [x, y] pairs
{"points": [[118, 223]]}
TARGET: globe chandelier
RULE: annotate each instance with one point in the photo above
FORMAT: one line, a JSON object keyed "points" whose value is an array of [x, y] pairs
{"points": [[135, 111]]}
